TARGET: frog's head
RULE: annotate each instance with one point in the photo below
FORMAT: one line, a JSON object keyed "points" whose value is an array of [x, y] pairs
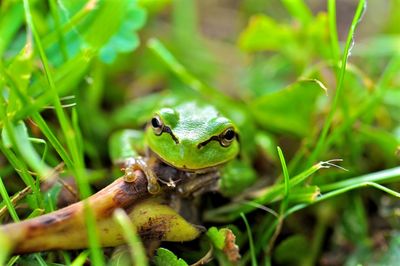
{"points": [[192, 136]]}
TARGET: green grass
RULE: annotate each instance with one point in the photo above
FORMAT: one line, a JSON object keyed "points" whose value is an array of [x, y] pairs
{"points": [[319, 147], [72, 73], [136, 248]]}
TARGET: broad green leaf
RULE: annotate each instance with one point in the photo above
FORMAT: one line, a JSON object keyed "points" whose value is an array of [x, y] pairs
{"points": [[382, 145], [217, 237], [235, 177], [165, 257], [289, 110], [264, 33], [300, 43], [298, 9], [20, 71], [21, 67], [290, 250], [11, 18]]}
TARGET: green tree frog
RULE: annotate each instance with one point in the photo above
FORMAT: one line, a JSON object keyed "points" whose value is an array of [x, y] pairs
{"points": [[183, 146]]}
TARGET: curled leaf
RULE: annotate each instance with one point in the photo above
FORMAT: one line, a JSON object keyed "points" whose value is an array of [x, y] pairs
{"points": [[224, 240]]}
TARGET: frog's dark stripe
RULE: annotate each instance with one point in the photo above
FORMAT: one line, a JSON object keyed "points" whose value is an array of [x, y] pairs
{"points": [[204, 143], [168, 130]]}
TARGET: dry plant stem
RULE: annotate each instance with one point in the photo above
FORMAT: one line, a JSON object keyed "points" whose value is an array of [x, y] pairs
{"points": [[65, 228]]}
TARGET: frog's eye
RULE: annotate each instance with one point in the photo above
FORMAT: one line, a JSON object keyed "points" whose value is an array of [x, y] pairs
{"points": [[227, 137], [157, 125]]}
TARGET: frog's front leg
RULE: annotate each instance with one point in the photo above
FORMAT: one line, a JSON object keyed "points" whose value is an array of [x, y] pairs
{"points": [[139, 163], [126, 147], [198, 184]]}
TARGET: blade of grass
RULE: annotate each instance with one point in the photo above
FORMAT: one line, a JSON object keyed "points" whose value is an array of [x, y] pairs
{"points": [[37, 118], [13, 260], [44, 143], [14, 200], [321, 143], [7, 200], [11, 157], [180, 71], [137, 250], [283, 206], [22, 144], [333, 31], [40, 260], [71, 23], [384, 176], [232, 211], [10, 22], [388, 74], [56, 18], [266, 236], [81, 259], [340, 191], [66, 78], [21, 169], [66, 257], [71, 139], [5, 246], [251, 243], [62, 117], [285, 201]]}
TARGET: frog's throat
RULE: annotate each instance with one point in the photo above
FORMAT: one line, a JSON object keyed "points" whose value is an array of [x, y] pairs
{"points": [[185, 169]]}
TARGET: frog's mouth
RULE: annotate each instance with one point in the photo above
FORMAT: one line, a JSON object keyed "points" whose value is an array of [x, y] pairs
{"points": [[184, 168]]}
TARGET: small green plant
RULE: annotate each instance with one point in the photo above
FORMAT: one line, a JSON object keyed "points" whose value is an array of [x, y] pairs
{"points": [[290, 75]]}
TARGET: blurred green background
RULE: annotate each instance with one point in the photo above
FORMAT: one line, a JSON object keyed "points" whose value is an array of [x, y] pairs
{"points": [[102, 76]]}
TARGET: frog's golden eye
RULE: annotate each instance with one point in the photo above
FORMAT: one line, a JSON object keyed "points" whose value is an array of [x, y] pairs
{"points": [[157, 125], [227, 137]]}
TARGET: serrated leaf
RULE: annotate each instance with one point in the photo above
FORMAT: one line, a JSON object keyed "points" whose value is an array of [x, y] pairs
{"points": [[11, 19], [236, 176], [216, 237], [165, 257], [290, 109], [264, 33], [125, 39], [107, 19], [224, 240]]}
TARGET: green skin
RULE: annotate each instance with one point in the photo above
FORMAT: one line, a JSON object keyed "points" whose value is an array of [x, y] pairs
{"points": [[192, 140], [193, 143]]}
